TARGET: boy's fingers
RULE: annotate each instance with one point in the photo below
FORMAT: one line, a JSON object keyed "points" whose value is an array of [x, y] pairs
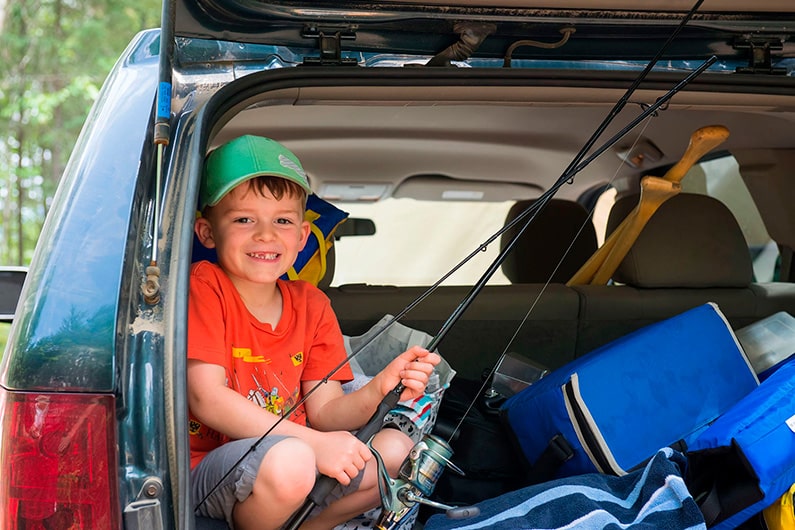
{"points": [[426, 356], [414, 385], [416, 371]]}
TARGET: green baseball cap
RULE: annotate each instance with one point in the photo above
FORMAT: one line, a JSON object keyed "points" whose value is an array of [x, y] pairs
{"points": [[245, 158]]}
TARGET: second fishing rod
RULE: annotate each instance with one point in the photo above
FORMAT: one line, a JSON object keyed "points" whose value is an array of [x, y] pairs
{"points": [[325, 484]]}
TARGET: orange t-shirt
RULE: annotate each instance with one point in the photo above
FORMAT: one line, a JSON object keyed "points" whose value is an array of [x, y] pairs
{"points": [[264, 364]]}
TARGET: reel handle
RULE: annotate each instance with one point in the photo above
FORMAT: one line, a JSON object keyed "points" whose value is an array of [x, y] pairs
{"points": [[452, 512]]}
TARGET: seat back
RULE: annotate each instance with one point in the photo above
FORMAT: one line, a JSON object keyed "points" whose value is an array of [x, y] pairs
{"points": [[692, 251], [692, 240], [562, 230]]}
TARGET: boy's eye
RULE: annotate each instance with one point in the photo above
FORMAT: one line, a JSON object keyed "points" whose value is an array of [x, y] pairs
{"points": [[244, 220], [284, 221]]}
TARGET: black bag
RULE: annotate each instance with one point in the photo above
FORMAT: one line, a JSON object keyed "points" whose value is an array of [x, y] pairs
{"points": [[482, 448]]}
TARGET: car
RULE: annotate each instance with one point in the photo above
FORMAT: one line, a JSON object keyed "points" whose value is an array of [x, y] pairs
{"points": [[440, 129]]}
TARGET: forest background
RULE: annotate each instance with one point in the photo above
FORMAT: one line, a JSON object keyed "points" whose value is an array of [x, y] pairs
{"points": [[54, 57]]}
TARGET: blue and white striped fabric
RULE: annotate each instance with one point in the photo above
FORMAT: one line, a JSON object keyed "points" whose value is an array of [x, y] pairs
{"points": [[653, 498]]}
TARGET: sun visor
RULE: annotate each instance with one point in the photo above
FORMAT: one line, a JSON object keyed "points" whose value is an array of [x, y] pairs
{"points": [[444, 188]]}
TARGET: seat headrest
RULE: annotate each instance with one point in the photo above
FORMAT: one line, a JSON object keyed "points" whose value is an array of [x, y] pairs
{"points": [[325, 281], [692, 240], [538, 251]]}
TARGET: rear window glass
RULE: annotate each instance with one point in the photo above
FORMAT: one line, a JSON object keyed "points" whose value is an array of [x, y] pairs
{"points": [[417, 242]]}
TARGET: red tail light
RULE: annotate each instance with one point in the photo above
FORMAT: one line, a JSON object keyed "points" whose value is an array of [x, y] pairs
{"points": [[58, 461]]}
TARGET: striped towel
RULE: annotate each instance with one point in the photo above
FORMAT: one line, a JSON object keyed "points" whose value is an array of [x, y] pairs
{"points": [[653, 498]]}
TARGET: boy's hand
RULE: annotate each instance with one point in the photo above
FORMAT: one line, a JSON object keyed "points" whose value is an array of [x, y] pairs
{"points": [[340, 455], [412, 368]]}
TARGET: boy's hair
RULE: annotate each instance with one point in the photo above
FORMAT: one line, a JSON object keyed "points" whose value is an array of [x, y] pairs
{"points": [[278, 186]]}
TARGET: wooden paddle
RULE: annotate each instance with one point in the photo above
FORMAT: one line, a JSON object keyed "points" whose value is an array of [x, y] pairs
{"points": [[654, 191]]}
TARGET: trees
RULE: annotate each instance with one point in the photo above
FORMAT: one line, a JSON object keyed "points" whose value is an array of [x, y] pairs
{"points": [[54, 56]]}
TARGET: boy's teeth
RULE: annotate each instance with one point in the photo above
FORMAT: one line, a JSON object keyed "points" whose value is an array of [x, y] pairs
{"points": [[263, 255]]}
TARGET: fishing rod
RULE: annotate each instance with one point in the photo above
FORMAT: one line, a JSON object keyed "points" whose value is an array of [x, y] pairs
{"points": [[531, 209], [325, 484], [390, 399]]}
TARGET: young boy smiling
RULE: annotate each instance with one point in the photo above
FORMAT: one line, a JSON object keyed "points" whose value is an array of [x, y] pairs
{"points": [[257, 344]]}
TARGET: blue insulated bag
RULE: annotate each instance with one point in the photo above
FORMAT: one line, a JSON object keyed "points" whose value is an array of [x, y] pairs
{"points": [[615, 407], [745, 460]]}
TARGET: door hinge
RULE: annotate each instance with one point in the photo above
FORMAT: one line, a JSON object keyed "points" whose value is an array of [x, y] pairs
{"points": [[330, 45], [760, 60]]}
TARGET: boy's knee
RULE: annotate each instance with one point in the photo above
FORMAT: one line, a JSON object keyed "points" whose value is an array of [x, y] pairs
{"points": [[393, 446], [288, 471]]}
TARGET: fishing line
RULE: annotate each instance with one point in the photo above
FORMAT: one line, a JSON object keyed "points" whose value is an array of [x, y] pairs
{"points": [[574, 167], [530, 211], [541, 292]]}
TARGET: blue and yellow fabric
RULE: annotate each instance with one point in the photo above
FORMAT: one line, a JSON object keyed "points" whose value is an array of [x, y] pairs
{"points": [[324, 218]]}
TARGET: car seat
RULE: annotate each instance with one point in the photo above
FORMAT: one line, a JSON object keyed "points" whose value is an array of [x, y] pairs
{"points": [[691, 251], [536, 257]]}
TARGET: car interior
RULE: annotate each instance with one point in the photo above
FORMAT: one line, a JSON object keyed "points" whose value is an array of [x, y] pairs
{"points": [[454, 149]]}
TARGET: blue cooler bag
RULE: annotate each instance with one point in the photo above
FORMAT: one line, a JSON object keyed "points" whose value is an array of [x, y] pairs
{"points": [[615, 407], [745, 460]]}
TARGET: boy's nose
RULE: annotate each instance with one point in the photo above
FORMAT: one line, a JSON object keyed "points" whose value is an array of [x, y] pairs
{"points": [[265, 232]]}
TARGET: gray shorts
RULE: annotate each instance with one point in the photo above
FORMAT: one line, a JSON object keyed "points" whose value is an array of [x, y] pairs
{"points": [[237, 486]]}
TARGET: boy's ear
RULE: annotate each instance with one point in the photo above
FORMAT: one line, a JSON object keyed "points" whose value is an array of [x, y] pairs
{"points": [[305, 231], [204, 231]]}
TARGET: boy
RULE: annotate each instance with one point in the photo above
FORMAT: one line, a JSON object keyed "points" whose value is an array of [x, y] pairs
{"points": [[256, 344]]}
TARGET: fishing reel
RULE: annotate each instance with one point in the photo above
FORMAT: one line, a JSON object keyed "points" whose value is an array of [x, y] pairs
{"points": [[416, 480]]}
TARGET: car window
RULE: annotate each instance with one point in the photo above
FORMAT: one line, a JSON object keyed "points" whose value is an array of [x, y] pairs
{"points": [[417, 242], [5, 327]]}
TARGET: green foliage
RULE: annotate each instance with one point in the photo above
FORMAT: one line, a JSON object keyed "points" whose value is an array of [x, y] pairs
{"points": [[54, 56], [5, 327]]}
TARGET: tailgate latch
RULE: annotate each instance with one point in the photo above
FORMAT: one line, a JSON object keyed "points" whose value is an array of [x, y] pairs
{"points": [[330, 45], [760, 60]]}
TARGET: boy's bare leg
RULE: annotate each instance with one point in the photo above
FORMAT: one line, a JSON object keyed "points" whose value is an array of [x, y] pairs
{"points": [[393, 446], [286, 476]]}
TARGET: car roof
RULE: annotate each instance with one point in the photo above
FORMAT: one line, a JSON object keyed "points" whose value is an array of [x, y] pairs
{"points": [[602, 28], [508, 138]]}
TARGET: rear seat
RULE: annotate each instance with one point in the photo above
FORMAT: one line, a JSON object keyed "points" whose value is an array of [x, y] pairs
{"points": [[691, 252], [479, 337], [486, 328]]}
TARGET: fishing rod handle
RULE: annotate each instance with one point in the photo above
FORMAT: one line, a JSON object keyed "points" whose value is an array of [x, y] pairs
{"points": [[324, 483], [376, 421]]}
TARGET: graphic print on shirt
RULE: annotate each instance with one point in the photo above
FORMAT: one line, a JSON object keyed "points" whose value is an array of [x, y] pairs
{"points": [[269, 400], [267, 387], [247, 357]]}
